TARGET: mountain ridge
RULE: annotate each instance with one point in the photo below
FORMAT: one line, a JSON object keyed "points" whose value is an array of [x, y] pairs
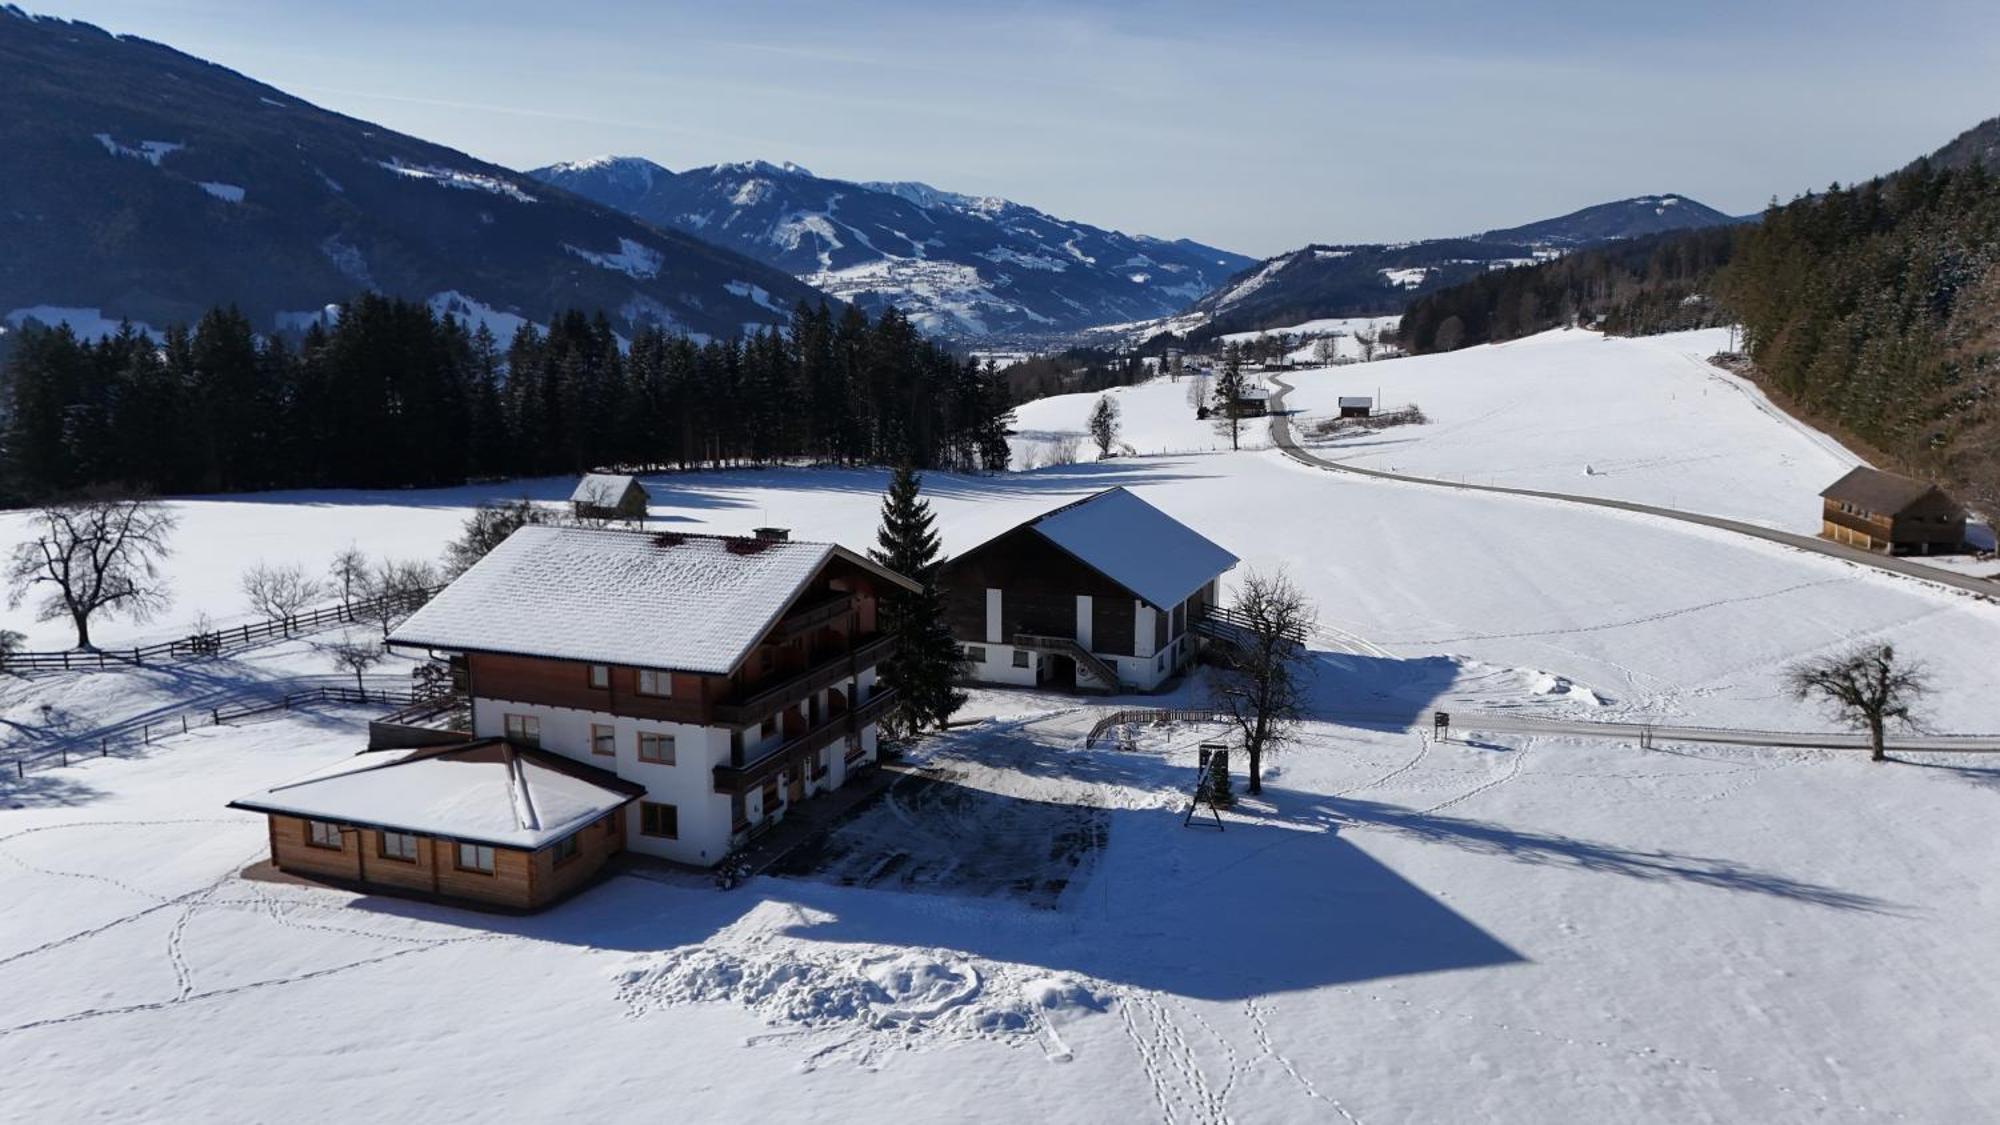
{"points": [[151, 185], [960, 265]]}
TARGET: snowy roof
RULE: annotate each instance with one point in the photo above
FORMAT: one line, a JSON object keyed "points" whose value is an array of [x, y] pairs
{"points": [[1876, 490], [692, 603], [1356, 400], [486, 792], [601, 488], [1136, 545]]}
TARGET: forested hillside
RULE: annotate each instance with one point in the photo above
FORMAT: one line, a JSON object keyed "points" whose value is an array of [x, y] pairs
{"points": [[1875, 310], [1637, 286], [394, 395]]}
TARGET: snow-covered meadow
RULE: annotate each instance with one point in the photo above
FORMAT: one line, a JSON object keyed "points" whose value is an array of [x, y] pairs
{"points": [[1509, 928]]}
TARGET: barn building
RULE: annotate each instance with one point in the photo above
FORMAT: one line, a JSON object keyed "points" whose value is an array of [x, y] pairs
{"points": [[1098, 595], [713, 682], [608, 496], [1878, 511]]}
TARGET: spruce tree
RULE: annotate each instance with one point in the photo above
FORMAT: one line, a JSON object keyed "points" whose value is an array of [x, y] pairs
{"points": [[927, 660]]}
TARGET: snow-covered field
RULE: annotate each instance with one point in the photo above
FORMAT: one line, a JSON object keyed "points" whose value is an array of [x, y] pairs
{"points": [[1645, 419], [1516, 929]]}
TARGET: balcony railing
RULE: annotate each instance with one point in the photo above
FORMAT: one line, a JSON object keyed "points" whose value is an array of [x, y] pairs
{"points": [[799, 751], [768, 701], [813, 616]]}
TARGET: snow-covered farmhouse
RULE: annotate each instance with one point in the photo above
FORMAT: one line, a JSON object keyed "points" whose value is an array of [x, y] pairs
{"points": [[608, 496], [1101, 594], [720, 680], [1878, 511]]}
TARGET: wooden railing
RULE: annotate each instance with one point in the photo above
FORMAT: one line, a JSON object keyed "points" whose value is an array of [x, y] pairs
{"points": [[218, 641], [1151, 716], [831, 671], [1069, 647], [741, 779]]}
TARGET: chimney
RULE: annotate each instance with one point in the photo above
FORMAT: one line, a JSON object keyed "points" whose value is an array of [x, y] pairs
{"points": [[773, 534]]}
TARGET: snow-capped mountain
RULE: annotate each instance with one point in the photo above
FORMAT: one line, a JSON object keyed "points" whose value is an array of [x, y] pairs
{"points": [[144, 184], [959, 265], [1323, 281]]}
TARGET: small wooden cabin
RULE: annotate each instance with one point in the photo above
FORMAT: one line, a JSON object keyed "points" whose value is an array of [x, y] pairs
{"points": [[1878, 511], [609, 496], [1356, 406], [484, 822]]}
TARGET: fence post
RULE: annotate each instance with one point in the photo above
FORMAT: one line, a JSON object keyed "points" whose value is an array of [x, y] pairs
{"points": [[103, 747], [65, 755], [184, 722]]}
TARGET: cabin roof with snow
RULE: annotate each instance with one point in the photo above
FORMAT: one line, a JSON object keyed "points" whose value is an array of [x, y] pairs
{"points": [[485, 792], [602, 488], [1883, 493], [1356, 400], [1135, 545], [688, 603]]}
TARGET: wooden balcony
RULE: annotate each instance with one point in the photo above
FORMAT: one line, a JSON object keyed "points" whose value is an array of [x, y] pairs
{"points": [[770, 700], [798, 753], [810, 617]]}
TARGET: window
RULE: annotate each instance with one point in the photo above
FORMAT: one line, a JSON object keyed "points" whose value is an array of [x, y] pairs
{"points": [[975, 653], [398, 845], [656, 748], [1020, 659], [475, 857], [600, 675], [611, 825], [524, 728], [563, 850], [603, 740], [659, 820], [769, 728], [656, 683], [321, 834]]}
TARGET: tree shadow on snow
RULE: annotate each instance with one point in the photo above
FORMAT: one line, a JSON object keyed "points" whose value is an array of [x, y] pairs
{"points": [[1376, 692], [1525, 846]]}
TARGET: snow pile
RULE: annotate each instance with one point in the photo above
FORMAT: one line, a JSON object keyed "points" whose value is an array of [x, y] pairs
{"points": [[455, 178], [913, 994], [1553, 685], [633, 259]]}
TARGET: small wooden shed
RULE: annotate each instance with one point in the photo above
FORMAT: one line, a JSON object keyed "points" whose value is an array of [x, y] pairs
{"points": [[609, 496], [1353, 406]]}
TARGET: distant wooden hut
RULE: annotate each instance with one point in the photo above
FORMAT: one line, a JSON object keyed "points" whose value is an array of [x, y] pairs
{"points": [[1878, 511], [1352, 406], [608, 496]]}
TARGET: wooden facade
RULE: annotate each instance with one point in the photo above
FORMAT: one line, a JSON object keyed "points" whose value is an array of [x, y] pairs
{"points": [[1880, 512], [521, 879], [630, 503]]}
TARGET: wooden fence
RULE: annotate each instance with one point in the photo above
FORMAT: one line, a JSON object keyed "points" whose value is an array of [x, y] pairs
{"points": [[218, 641], [244, 706], [1152, 716]]}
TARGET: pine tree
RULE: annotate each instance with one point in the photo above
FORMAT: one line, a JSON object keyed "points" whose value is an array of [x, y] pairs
{"points": [[927, 660]]}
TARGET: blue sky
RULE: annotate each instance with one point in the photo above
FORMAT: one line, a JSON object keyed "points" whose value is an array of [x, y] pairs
{"points": [[1258, 127]]}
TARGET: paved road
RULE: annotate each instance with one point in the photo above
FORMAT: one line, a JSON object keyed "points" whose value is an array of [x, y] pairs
{"points": [[1281, 433]]}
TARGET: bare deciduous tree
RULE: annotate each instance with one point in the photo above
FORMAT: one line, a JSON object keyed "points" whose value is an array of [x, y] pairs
{"points": [[1326, 349], [349, 573], [96, 556], [279, 591], [1865, 687], [487, 527], [1197, 395], [355, 654], [11, 642], [1259, 685], [395, 588]]}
